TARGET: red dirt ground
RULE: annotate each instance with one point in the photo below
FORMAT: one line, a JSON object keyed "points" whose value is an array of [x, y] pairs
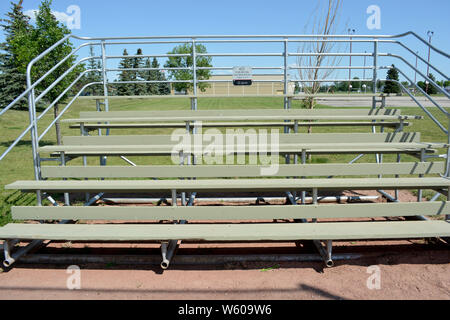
{"points": [[409, 270]]}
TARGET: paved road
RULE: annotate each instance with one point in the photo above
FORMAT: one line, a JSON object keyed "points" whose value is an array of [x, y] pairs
{"points": [[395, 102]]}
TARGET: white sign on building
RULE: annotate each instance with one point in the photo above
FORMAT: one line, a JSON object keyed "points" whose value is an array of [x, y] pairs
{"points": [[242, 76]]}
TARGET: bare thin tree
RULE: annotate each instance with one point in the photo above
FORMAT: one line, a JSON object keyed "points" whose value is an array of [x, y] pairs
{"points": [[324, 21]]}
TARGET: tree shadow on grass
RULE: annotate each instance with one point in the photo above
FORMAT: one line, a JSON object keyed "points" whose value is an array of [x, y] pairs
{"points": [[26, 143]]}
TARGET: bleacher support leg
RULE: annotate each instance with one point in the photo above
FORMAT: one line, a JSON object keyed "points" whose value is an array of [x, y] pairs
{"points": [[447, 217], [303, 162], [326, 252], [11, 258], [84, 132], [422, 159], [66, 195], [168, 249]]}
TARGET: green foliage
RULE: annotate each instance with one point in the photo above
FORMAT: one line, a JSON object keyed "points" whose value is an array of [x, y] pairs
{"points": [[151, 75], [444, 83], [137, 89], [187, 62], [14, 56], [356, 85], [125, 89], [162, 88], [137, 63], [47, 32], [429, 89], [24, 42], [13, 199], [93, 76], [389, 86]]}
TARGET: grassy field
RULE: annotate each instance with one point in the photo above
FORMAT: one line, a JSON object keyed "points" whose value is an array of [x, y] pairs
{"points": [[18, 164]]}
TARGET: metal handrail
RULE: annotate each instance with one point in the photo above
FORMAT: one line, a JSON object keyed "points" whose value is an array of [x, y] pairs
{"points": [[103, 42]]}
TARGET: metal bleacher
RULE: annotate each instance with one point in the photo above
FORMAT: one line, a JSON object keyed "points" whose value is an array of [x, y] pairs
{"points": [[191, 177]]}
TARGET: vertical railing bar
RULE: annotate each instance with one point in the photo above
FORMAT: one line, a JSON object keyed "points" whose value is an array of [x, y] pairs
{"points": [[34, 134], [194, 106], [103, 159], [66, 195], [105, 79], [375, 74]]}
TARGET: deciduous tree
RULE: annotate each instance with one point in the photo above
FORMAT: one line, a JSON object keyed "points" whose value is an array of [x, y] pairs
{"points": [[187, 62], [47, 32]]}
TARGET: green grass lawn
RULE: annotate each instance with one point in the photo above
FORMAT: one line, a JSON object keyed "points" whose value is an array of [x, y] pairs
{"points": [[18, 164]]}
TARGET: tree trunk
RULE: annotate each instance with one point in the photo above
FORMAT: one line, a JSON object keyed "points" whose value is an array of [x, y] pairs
{"points": [[57, 125], [311, 105]]}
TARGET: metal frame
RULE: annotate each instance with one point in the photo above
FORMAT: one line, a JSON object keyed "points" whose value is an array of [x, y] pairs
{"points": [[284, 40]]}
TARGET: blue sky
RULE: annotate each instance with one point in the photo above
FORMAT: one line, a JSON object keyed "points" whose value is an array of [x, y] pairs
{"points": [[175, 17]]}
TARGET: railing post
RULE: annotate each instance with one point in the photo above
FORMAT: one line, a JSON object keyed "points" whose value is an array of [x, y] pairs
{"points": [[34, 133], [447, 171], [105, 92], [286, 74], [194, 102], [375, 73], [286, 101], [105, 76]]}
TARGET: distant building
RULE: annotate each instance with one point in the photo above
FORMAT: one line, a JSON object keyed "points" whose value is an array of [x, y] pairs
{"points": [[447, 89]]}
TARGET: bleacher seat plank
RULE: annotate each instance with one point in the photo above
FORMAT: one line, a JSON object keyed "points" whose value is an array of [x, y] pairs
{"points": [[232, 171], [92, 126], [243, 115], [229, 232], [282, 139], [323, 148], [224, 213], [214, 185], [108, 118]]}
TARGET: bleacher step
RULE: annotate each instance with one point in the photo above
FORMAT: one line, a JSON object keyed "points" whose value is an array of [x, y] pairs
{"points": [[229, 232]]}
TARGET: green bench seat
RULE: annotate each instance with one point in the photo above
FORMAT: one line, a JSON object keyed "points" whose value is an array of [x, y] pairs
{"points": [[228, 213], [93, 126], [229, 232], [243, 171], [243, 115], [220, 185]]}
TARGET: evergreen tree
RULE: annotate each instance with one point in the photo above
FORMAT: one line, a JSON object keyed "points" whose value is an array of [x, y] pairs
{"points": [[137, 63], [93, 76], [17, 37], [151, 75], [155, 75], [125, 63], [164, 87], [430, 89], [187, 62], [389, 86]]}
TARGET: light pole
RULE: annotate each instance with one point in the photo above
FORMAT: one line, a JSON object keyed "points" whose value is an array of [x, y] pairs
{"points": [[350, 32], [430, 35], [415, 75]]}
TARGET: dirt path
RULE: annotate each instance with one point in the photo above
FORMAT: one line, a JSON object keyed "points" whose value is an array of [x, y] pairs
{"points": [[408, 270], [422, 274]]}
